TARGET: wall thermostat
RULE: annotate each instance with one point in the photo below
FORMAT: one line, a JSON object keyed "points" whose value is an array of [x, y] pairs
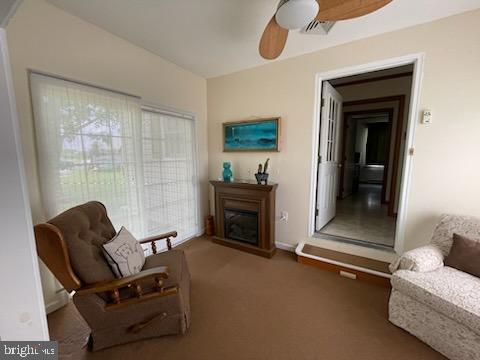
{"points": [[427, 117]]}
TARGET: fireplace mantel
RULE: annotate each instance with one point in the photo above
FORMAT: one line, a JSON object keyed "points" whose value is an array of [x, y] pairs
{"points": [[246, 198]]}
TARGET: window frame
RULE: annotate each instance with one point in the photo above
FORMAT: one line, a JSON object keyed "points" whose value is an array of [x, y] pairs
{"points": [[143, 106]]}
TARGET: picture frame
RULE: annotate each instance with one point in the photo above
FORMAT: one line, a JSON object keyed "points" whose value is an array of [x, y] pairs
{"points": [[258, 135]]}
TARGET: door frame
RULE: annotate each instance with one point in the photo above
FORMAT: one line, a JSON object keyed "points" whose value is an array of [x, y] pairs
{"points": [[418, 63], [25, 319], [389, 111]]}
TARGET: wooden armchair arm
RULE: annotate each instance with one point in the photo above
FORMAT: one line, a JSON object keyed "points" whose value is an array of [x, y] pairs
{"points": [[154, 238], [112, 287], [157, 272]]}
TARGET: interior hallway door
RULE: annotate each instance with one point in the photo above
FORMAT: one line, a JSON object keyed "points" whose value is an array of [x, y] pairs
{"points": [[328, 155]]}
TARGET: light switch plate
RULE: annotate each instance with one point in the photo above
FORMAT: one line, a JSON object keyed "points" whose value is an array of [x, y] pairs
{"points": [[427, 117]]}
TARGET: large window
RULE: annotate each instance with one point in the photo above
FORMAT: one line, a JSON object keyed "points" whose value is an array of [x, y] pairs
{"points": [[169, 174], [95, 144]]}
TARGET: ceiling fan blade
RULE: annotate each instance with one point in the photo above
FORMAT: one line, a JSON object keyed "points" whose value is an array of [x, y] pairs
{"points": [[273, 40], [334, 10]]}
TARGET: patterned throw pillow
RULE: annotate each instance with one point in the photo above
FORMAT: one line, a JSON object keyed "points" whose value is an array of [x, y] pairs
{"points": [[124, 254]]}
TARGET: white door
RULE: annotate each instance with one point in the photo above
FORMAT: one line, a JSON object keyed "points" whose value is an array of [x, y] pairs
{"points": [[328, 161]]}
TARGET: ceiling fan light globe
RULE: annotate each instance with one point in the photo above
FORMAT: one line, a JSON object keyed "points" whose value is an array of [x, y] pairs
{"points": [[295, 14]]}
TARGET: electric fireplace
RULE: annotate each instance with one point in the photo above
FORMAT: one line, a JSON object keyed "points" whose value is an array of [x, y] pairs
{"points": [[245, 216]]}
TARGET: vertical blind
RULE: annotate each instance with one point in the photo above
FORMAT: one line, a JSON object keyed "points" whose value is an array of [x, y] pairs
{"points": [[94, 144]]}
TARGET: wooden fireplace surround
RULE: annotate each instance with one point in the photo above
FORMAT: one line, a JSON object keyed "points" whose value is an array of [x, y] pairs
{"points": [[247, 196]]}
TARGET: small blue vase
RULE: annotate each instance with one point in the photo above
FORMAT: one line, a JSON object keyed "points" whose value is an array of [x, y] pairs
{"points": [[227, 172]]}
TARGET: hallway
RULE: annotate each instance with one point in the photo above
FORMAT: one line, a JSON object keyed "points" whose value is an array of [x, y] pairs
{"points": [[361, 216]]}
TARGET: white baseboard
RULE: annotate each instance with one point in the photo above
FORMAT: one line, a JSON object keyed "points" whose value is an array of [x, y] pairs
{"points": [[285, 246], [278, 244], [199, 233], [61, 300]]}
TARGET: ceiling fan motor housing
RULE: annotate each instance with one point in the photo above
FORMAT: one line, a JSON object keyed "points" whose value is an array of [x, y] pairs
{"points": [[295, 14]]}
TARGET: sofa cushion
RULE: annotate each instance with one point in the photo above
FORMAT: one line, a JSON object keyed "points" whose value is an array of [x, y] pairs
{"points": [[85, 229], [449, 291]]}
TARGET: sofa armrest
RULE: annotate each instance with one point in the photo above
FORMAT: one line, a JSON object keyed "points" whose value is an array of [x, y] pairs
{"points": [[422, 259]]}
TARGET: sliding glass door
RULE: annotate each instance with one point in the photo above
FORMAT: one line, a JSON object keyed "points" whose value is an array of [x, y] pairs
{"points": [[94, 144], [169, 172]]}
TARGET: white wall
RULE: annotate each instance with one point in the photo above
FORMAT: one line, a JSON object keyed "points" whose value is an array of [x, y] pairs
{"points": [[350, 137], [22, 315], [443, 177], [43, 37], [361, 141]]}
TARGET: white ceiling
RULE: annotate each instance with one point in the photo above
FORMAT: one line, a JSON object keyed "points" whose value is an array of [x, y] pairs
{"points": [[216, 37]]}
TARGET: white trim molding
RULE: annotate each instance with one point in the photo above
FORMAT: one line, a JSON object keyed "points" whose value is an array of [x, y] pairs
{"points": [[418, 61], [285, 246], [62, 299], [22, 315]]}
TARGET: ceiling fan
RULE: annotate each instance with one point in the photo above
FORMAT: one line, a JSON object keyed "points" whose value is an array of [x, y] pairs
{"points": [[295, 14]]}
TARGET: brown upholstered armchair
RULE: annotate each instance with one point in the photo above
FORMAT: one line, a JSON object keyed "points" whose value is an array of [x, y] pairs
{"points": [[152, 303]]}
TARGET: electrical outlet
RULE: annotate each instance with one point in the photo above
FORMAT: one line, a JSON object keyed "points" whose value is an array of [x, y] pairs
{"points": [[284, 216]]}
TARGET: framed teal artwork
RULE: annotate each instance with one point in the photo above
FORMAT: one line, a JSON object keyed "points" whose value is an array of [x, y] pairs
{"points": [[252, 135]]}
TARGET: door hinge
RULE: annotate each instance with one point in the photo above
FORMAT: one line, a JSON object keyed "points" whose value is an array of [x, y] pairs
{"points": [[411, 151], [316, 212], [319, 159], [322, 102]]}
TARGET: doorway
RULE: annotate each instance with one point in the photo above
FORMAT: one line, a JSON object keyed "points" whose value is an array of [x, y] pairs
{"points": [[364, 132], [363, 183]]}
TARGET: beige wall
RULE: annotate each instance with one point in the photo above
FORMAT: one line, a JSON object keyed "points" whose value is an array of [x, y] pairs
{"points": [[44, 38], [444, 175]]}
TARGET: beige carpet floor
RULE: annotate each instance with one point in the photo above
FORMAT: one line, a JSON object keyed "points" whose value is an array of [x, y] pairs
{"points": [[248, 307]]}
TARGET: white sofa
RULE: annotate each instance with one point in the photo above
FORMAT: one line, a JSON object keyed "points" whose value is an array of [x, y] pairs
{"points": [[439, 304]]}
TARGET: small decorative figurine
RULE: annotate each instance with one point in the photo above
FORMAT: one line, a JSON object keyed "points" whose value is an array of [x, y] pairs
{"points": [[262, 176], [227, 172]]}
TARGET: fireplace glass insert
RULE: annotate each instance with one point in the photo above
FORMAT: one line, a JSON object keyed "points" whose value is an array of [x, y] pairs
{"points": [[241, 225]]}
